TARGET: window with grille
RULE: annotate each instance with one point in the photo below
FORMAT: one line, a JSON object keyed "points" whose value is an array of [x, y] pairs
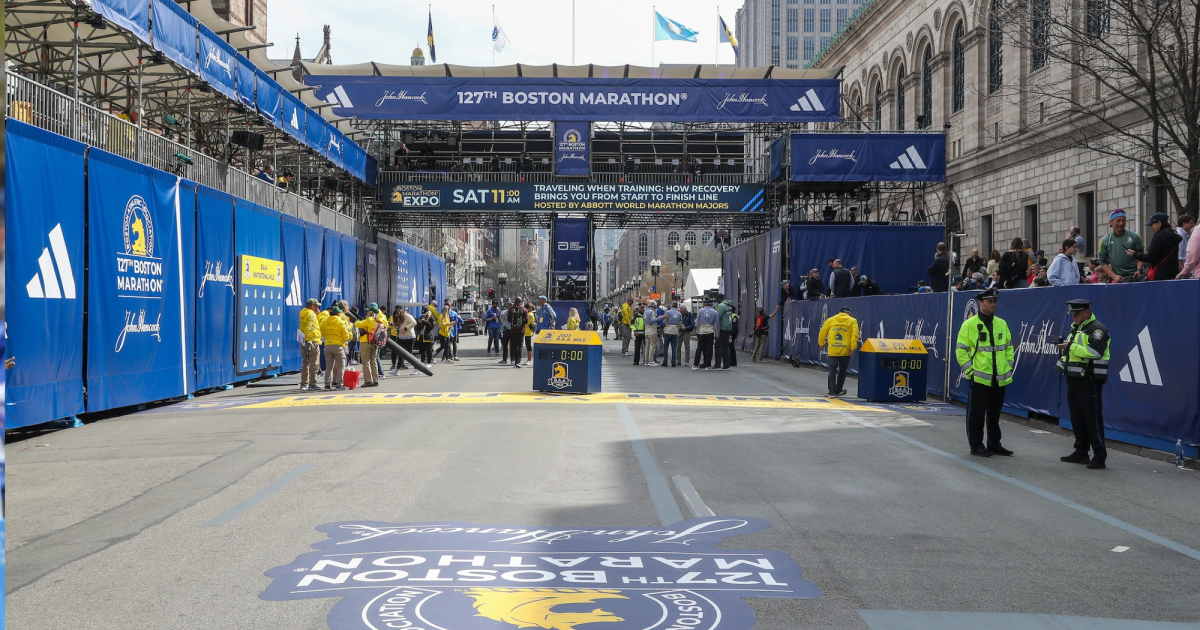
{"points": [[825, 42], [690, 238], [672, 238], [775, 32], [878, 102], [793, 20], [793, 48], [810, 19], [707, 238], [1097, 18], [643, 245], [825, 20], [841, 18], [1040, 35], [927, 87], [995, 49], [960, 66], [900, 113], [810, 45], [642, 266]]}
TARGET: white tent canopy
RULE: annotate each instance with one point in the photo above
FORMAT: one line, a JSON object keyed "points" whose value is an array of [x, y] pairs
{"points": [[701, 280]]}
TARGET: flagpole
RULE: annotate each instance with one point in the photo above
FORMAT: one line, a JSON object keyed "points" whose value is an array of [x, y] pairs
{"points": [[572, 32], [653, 32], [717, 46], [493, 36]]}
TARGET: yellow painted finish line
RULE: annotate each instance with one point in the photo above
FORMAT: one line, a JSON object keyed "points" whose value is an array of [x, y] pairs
{"points": [[468, 398]]}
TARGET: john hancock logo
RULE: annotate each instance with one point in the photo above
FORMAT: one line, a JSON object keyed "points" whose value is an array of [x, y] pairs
{"points": [[559, 379], [900, 387], [405, 576]]}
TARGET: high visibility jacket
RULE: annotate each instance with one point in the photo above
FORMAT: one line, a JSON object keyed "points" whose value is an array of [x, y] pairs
{"points": [[638, 324], [336, 329], [367, 326], [444, 322], [979, 354], [309, 326], [841, 331], [1087, 357], [572, 323], [626, 313], [530, 323]]}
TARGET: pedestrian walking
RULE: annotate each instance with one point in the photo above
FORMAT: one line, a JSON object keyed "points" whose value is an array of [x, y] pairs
{"points": [[737, 329], [1084, 362], [492, 320], [986, 357], [426, 332], [517, 319], [310, 352], [839, 337], [650, 321], [707, 321], [369, 327], [624, 321], [686, 328], [606, 319], [444, 322], [406, 335], [724, 333], [456, 324], [761, 330], [672, 320], [336, 331], [546, 317], [530, 329]]}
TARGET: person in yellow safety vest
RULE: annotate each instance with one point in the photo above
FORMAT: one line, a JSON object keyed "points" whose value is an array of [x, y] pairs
{"points": [[986, 356], [336, 330], [367, 349], [530, 326], [841, 331], [310, 352], [573, 319], [624, 321], [1085, 364]]}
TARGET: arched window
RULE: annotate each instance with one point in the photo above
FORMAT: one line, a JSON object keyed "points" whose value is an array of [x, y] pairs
{"points": [[878, 104], [643, 246], [672, 239], [1097, 18], [900, 99], [857, 105], [706, 238], [995, 49], [960, 67], [1040, 14], [927, 87], [690, 238]]}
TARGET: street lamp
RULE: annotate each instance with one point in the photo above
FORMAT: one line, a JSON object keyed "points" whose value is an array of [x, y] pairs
{"points": [[655, 265], [503, 278], [682, 261]]}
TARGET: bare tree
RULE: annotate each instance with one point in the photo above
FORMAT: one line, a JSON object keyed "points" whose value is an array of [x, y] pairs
{"points": [[1119, 77]]}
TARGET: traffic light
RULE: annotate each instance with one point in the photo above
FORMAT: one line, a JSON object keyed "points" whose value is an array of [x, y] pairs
{"points": [[491, 294]]}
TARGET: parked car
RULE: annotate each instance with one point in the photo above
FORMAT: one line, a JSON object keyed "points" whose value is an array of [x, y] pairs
{"points": [[470, 322]]}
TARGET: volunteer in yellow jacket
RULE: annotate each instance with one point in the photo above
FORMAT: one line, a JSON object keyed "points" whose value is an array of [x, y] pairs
{"points": [[986, 356], [624, 325], [367, 349], [841, 333], [336, 329], [310, 352]]}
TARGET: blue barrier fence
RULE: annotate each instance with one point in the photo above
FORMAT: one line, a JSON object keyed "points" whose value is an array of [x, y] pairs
{"points": [[160, 281], [1151, 398]]}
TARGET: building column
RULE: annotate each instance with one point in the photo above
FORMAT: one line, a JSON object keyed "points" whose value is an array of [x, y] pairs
{"points": [[975, 88], [943, 98], [912, 98]]}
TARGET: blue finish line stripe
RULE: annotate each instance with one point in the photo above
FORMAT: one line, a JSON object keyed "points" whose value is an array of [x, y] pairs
{"points": [[660, 491], [1045, 494], [258, 497]]}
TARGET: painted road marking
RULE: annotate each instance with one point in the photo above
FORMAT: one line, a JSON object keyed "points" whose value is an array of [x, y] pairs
{"points": [[258, 497], [930, 620], [466, 398], [691, 497], [1045, 494], [660, 492]]}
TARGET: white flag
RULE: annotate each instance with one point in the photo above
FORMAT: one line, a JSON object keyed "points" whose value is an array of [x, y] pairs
{"points": [[499, 39]]}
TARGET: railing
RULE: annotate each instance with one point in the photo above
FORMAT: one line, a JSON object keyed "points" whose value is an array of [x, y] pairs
{"points": [[386, 177], [36, 104]]}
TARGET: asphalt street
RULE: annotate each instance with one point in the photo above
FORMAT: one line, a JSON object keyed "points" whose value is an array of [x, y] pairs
{"points": [[172, 516]]}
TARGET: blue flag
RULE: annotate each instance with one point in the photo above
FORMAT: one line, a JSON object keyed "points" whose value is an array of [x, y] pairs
{"points": [[727, 36], [670, 29], [429, 38]]}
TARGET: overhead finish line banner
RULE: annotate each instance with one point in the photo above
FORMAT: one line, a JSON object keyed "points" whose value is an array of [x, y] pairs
{"points": [[868, 157], [440, 196], [633, 100]]}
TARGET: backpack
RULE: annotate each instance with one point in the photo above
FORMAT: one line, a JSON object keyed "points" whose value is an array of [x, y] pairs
{"points": [[379, 336]]}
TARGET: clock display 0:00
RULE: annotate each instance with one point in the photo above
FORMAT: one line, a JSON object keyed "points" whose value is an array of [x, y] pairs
{"points": [[901, 364]]}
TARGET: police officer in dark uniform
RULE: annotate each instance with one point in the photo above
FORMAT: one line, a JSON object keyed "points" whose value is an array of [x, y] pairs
{"points": [[1085, 364]]}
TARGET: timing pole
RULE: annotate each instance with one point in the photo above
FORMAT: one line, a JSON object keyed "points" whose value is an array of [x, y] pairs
{"points": [[653, 32], [572, 32]]}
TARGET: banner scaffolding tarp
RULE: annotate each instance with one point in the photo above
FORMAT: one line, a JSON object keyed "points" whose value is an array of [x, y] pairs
{"points": [[269, 98], [314, 249], [131, 15], [349, 270], [895, 256], [140, 268], [869, 157], [218, 63], [331, 269], [44, 245], [215, 299], [245, 81], [175, 33], [292, 116], [292, 239]]}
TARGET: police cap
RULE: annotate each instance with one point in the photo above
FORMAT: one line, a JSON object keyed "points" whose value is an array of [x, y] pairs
{"points": [[1078, 305], [990, 294]]}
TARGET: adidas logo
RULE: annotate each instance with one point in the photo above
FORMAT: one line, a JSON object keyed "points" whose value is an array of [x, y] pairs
{"points": [[909, 159], [1142, 366], [808, 103], [339, 97], [44, 284], [295, 120], [293, 296]]}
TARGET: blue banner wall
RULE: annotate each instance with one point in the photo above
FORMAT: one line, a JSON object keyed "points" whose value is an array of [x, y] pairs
{"points": [[315, 131], [215, 299], [245, 80], [895, 256], [269, 98], [775, 247], [131, 15], [868, 157], [776, 158], [350, 270], [572, 148], [138, 291], [571, 246], [175, 33], [331, 269], [44, 245], [314, 249], [218, 63], [667, 198], [633, 100], [335, 144], [292, 116], [292, 233], [256, 230]]}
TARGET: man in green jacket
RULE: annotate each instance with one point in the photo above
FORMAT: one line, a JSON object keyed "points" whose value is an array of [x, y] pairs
{"points": [[1085, 364], [724, 334], [986, 356]]}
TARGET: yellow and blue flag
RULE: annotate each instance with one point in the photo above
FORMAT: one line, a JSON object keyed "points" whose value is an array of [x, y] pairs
{"points": [[727, 36], [670, 29], [429, 38]]}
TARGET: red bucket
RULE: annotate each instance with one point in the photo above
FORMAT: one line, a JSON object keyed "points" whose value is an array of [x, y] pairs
{"points": [[350, 379]]}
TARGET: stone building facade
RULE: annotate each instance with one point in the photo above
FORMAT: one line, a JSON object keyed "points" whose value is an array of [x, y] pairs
{"points": [[965, 73]]}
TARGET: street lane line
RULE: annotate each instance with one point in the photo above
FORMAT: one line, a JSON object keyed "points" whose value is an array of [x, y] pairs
{"points": [[660, 492], [1045, 494], [464, 398], [691, 497], [258, 497]]}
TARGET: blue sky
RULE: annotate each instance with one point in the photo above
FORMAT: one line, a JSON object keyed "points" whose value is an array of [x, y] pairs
{"points": [[607, 32]]}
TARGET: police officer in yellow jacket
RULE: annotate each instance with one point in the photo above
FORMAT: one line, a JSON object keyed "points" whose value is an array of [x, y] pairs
{"points": [[986, 356], [1085, 363], [841, 331], [310, 352]]}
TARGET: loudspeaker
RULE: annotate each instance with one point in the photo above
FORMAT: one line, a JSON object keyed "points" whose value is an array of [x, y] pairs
{"points": [[452, 142], [248, 139]]}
